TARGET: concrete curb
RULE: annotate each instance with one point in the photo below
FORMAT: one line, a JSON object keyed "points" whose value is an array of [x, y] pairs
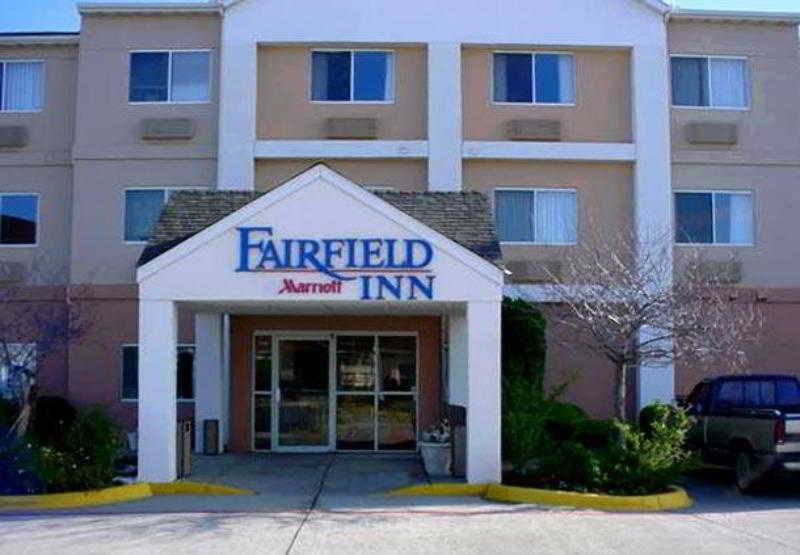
{"points": [[676, 498], [116, 494]]}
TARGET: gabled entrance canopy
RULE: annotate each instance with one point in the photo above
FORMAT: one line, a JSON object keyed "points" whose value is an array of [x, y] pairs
{"points": [[319, 244]]}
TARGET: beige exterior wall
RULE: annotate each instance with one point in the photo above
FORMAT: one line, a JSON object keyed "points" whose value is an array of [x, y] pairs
{"points": [[43, 166], [285, 110], [772, 260], [604, 196], [602, 110], [768, 129], [403, 175], [108, 125], [99, 253]]}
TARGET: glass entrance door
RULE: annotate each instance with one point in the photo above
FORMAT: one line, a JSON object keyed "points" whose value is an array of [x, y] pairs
{"points": [[303, 394]]}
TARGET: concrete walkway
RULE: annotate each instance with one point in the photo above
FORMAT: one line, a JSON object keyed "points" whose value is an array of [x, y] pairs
{"points": [[331, 504]]}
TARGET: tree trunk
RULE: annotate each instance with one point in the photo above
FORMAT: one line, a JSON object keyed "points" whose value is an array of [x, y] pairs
{"points": [[621, 387]]}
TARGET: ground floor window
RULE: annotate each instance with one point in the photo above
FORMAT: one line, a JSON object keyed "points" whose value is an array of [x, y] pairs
{"points": [[130, 373], [350, 391]]}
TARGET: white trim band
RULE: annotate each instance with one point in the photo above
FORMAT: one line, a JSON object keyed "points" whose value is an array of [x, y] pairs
{"points": [[340, 149], [507, 150]]}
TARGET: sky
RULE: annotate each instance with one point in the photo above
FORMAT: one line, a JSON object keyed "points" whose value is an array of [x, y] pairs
{"points": [[60, 15]]}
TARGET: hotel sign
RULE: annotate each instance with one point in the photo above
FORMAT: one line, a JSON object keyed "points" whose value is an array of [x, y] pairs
{"points": [[381, 268]]}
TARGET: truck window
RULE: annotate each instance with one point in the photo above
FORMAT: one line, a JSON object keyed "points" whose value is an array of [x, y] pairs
{"points": [[699, 397], [759, 393], [788, 393], [730, 394]]}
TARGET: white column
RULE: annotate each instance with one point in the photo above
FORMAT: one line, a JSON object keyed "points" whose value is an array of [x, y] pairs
{"points": [[483, 374], [458, 385], [445, 135], [237, 110], [209, 401], [158, 369], [652, 179]]}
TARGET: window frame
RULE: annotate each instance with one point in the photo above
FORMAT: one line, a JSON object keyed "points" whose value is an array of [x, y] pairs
{"points": [[535, 191], [169, 100], [122, 373], [169, 189], [37, 223], [352, 52], [713, 193], [533, 53], [747, 75], [3, 84]]}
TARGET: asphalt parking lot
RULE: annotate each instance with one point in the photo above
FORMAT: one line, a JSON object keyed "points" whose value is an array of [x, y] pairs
{"points": [[342, 514]]}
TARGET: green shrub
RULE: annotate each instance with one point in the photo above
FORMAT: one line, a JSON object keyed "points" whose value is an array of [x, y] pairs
{"points": [[86, 457], [523, 343], [608, 456], [52, 418]]}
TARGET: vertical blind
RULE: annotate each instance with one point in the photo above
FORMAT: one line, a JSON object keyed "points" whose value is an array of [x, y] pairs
{"points": [[537, 216], [22, 85], [715, 82]]}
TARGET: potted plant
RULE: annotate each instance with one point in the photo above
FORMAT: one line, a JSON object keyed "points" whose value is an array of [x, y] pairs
{"points": [[437, 454]]}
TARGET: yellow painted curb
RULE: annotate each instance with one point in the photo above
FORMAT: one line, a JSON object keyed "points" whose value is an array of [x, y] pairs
{"points": [[448, 489], [676, 498], [196, 488], [116, 494]]}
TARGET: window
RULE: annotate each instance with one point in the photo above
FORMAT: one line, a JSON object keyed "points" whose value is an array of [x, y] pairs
{"points": [[545, 216], [352, 76], [130, 373], [18, 217], [715, 82], [170, 76], [528, 78], [731, 394], [21, 86], [142, 210], [714, 218]]}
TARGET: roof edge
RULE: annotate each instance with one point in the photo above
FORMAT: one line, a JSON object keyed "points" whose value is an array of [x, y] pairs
{"points": [[792, 18], [39, 38], [88, 8]]}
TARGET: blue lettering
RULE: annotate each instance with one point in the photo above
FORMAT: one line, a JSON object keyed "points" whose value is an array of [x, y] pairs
{"points": [[394, 289], [245, 246], [410, 250], [351, 252], [365, 296], [390, 248], [417, 283], [371, 252], [269, 254], [330, 251]]}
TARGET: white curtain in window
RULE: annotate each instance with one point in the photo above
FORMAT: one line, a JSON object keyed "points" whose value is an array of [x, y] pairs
{"points": [[741, 213], [566, 78], [389, 90], [319, 76], [190, 76], [728, 83], [556, 217], [500, 68], [23, 84]]}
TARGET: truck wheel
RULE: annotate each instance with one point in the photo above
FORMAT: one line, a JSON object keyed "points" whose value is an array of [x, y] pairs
{"points": [[745, 474]]}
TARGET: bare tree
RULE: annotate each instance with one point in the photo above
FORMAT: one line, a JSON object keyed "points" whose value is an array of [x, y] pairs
{"points": [[624, 298], [36, 324]]}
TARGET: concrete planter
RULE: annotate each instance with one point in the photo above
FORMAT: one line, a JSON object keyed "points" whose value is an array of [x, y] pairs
{"points": [[438, 458]]}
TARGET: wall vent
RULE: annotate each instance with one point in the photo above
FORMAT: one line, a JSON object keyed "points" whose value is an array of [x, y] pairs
{"points": [[534, 130], [13, 136], [167, 129], [712, 133], [351, 128]]}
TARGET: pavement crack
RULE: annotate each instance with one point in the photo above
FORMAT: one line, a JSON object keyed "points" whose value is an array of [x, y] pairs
{"points": [[751, 534], [313, 505]]}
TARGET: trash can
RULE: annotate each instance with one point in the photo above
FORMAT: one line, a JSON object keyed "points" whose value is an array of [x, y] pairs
{"points": [[211, 437], [184, 448]]}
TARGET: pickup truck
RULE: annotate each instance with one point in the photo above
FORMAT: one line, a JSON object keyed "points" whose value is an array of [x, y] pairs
{"points": [[749, 422]]}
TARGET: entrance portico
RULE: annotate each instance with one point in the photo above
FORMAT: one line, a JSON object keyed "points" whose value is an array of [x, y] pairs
{"points": [[326, 317]]}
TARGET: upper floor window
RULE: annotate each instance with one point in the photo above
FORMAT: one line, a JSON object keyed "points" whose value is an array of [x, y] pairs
{"points": [[714, 82], [130, 373], [533, 78], [21, 86], [546, 216], [18, 216], [179, 76], [714, 218], [142, 210], [352, 75]]}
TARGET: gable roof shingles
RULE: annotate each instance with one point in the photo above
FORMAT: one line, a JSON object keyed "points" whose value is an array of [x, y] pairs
{"points": [[463, 217]]}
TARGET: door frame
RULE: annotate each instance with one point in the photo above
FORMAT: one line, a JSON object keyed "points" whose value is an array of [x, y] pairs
{"points": [[275, 433]]}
